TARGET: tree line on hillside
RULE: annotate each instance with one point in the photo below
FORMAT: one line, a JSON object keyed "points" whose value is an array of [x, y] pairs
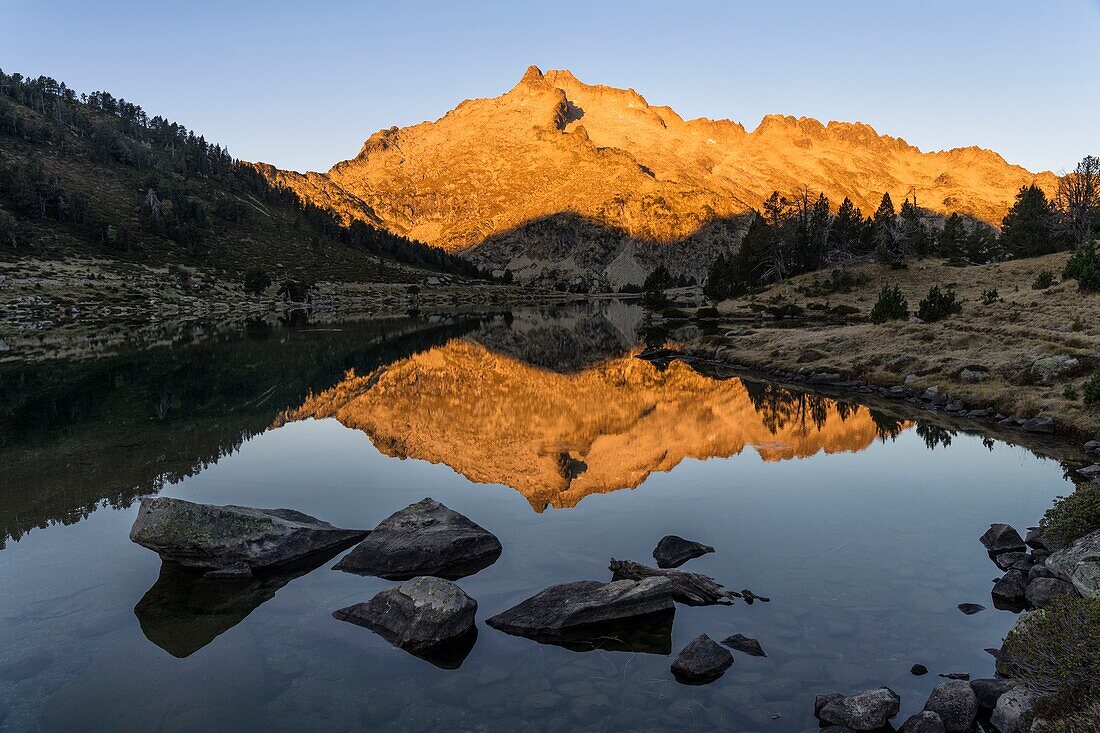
{"points": [[183, 175], [790, 236]]}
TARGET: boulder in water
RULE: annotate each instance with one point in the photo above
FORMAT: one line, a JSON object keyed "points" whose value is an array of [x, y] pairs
{"points": [[425, 538], [420, 615], [869, 710], [701, 661], [673, 551], [227, 537]]}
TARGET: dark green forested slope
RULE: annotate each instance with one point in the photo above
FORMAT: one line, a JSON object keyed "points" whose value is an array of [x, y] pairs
{"points": [[92, 175]]}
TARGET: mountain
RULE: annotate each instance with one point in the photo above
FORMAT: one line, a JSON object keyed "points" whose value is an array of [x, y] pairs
{"points": [[95, 176], [557, 179]]}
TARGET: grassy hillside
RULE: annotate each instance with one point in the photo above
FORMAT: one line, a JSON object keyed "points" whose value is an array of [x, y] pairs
{"points": [[1013, 313], [91, 175]]}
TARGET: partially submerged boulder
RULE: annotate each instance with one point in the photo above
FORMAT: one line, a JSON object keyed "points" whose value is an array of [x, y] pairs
{"points": [[673, 551], [1079, 564], [1011, 588], [869, 710], [421, 615], [560, 609], [956, 705], [690, 588], [425, 538], [701, 661], [229, 537], [745, 645], [1002, 538]]}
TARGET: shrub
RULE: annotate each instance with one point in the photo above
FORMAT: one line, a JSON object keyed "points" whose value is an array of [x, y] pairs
{"points": [[707, 312], [1073, 516], [1092, 389], [1084, 267], [256, 281], [1056, 650], [1043, 280], [989, 297], [890, 306], [1077, 325], [1070, 393], [938, 305]]}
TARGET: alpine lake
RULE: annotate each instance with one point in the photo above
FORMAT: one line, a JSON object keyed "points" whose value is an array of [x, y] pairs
{"points": [[859, 522]]}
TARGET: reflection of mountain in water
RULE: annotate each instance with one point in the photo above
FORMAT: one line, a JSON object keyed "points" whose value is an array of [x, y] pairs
{"points": [[557, 438]]}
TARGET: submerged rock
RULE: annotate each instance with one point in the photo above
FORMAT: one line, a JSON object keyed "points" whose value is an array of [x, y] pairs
{"points": [[701, 661], [744, 644], [224, 537], [1079, 563], [956, 705], [918, 670], [420, 615], [1002, 538], [425, 538], [673, 551], [868, 710], [557, 610], [923, 722], [690, 588], [971, 608]]}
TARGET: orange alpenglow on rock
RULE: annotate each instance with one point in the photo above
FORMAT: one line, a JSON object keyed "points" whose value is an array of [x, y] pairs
{"points": [[557, 438], [553, 146]]}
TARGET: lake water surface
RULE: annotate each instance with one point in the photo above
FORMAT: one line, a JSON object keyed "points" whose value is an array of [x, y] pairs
{"points": [[543, 427]]}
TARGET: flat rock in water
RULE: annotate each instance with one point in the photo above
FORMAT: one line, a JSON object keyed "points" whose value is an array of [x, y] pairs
{"points": [[420, 615], [923, 722], [690, 588], [559, 608], [955, 703], [701, 661], [673, 551], [227, 537], [1002, 538], [744, 644], [918, 670], [425, 538], [869, 710], [1079, 563], [971, 608]]}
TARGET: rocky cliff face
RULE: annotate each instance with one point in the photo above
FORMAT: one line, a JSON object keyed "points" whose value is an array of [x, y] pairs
{"points": [[558, 179], [558, 437]]}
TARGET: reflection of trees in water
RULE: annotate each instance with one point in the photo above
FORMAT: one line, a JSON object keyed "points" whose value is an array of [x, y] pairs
{"points": [[75, 436], [887, 426], [779, 407], [934, 435]]}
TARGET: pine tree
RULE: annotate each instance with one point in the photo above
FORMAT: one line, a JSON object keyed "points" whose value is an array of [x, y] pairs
{"points": [[845, 232], [913, 236], [1028, 229], [885, 237], [952, 239]]}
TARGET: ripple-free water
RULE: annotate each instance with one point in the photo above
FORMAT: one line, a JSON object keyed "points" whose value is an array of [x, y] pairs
{"points": [[863, 536]]}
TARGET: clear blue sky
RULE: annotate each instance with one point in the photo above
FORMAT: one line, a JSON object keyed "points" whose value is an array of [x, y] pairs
{"points": [[302, 84]]}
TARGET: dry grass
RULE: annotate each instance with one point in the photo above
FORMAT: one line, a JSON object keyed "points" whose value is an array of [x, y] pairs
{"points": [[1005, 336]]}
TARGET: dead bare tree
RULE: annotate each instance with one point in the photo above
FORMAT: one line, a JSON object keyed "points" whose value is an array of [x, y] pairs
{"points": [[1078, 200]]}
